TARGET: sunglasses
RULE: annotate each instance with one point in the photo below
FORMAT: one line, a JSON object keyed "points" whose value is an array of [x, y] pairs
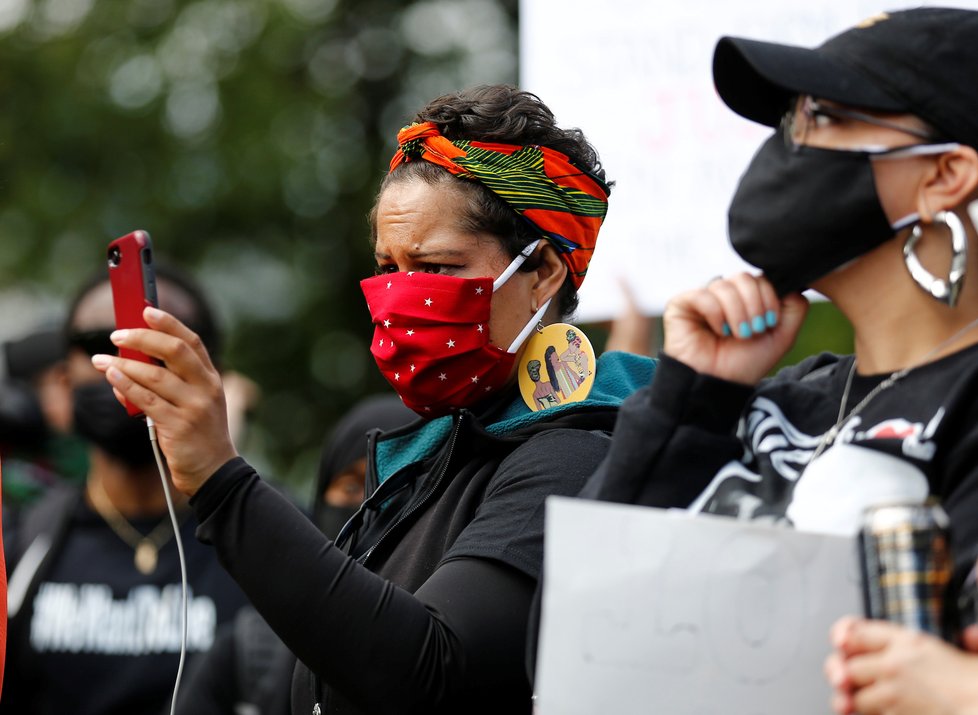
{"points": [[93, 342]]}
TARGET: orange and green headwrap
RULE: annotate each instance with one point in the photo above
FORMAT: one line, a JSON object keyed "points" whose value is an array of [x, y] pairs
{"points": [[565, 204]]}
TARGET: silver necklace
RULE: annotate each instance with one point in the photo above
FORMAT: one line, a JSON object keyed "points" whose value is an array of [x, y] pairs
{"points": [[829, 436]]}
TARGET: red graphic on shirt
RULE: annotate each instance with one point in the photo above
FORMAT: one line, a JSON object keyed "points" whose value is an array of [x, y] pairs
{"points": [[431, 339], [895, 429]]}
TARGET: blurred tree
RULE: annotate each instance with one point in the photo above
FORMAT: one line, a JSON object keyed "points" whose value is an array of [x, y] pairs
{"points": [[248, 137]]}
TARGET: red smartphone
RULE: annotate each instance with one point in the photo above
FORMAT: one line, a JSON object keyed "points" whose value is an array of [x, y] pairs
{"points": [[133, 288]]}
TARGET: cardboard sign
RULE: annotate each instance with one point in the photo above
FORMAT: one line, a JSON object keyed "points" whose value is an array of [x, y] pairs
{"points": [[652, 611]]}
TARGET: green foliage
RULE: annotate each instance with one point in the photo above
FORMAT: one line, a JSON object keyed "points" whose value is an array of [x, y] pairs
{"points": [[825, 330], [248, 137]]}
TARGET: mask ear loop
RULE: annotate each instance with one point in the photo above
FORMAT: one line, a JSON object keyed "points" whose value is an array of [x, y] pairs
{"points": [[505, 276], [515, 265], [946, 291], [530, 327]]}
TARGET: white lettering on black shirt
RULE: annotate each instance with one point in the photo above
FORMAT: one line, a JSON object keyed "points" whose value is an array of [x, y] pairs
{"points": [[84, 618]]}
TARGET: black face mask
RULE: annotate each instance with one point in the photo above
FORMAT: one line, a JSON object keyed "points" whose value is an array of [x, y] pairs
{"points": [[798, 214], [100, 419], [330, 519]]}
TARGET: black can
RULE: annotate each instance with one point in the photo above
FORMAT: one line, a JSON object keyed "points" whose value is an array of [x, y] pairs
{"points": [[906, 565]]}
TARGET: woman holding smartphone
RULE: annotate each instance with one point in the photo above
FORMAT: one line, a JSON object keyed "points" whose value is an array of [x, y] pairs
{"points": [[482, 231]]}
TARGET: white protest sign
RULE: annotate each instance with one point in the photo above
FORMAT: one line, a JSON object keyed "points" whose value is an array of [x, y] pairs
{"points": [[636, 77], [649, 611]]}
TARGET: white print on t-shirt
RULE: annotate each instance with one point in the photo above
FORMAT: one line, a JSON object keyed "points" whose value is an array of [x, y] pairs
{"points": [[834, 492], [84, 618], [837, 486], [916, 437], [771, 433]]}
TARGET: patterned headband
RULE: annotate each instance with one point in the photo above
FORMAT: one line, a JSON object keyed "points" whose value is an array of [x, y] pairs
{"points": [[565, 204]]}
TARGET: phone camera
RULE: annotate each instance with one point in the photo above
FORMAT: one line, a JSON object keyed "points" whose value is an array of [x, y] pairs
{"points": [[115, 256]]}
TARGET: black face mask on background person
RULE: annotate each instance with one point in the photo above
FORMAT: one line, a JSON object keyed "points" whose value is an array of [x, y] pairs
{"points": [[100, 419], [799, 214], [330, 519]]}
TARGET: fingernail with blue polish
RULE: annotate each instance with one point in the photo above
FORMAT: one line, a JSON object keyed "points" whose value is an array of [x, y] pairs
{"points": [[744, 330], [758, 324], [772, 318], [726, 330]]}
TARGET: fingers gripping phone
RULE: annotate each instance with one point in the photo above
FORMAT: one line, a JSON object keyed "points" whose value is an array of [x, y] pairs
{"points": [[133, 284]]}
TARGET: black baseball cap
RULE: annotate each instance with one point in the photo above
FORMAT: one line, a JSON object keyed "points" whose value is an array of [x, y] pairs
{"points": [[922, 61], [29, 355]]}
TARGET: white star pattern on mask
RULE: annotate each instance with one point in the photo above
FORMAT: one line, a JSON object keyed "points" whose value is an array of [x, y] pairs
{"points": [[427, 301], [475, 379], [387, 323], [488, 387], [450, 343], [410, 273], [478, 290], [381, 342], [410, 332], [412, 368], [397, 376], [479, 328], [442, 377], [389, 283]]}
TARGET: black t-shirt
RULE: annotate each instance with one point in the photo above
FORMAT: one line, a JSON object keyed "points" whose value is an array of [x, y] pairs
{"points": [[742, 451], [104, 638]]}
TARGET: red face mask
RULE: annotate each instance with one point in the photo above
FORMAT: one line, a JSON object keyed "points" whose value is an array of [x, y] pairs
{"points": [[431, 339]]}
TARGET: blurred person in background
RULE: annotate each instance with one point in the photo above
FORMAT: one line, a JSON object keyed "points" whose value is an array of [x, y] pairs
{"points": [[631, 330], [482, 231], [249, 670], [343, 464], [34, 362], [95, 600], [38, 448]]}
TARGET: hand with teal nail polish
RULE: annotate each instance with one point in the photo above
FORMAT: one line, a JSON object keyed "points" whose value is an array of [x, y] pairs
{"points": [[699, 323]]}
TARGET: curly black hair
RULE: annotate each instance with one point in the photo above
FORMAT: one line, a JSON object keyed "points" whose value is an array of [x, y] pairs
{"points": [[504, 114]]}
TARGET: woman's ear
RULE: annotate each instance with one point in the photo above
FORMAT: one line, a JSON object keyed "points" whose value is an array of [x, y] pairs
{"points": [[952, 181], [550, 275]]}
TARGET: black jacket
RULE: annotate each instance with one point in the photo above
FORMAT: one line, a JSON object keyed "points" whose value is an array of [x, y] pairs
{"points": [[428, 611]]}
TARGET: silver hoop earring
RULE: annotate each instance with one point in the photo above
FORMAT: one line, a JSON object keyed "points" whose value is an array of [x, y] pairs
{"points": [[945, 290]]}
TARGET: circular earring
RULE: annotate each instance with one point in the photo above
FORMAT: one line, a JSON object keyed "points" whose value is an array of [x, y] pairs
{"points": [[557, 367], [946, 290]]}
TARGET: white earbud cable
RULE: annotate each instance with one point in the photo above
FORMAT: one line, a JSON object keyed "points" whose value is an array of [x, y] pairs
{"points": [[183, 561]]}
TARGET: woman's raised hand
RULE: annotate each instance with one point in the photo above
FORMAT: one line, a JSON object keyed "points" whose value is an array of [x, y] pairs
{"points": [[184, 397], [733, 328]]}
